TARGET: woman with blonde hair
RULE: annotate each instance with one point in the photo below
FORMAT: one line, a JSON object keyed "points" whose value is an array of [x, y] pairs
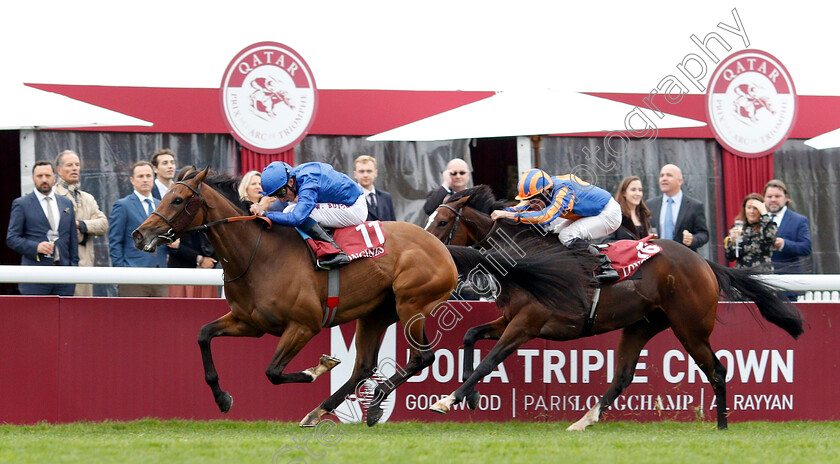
{"points": [[250, 186], [635, 215]]}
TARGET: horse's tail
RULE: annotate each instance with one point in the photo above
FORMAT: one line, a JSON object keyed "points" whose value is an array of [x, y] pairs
{"points": [[551, 273], [771, 301]]}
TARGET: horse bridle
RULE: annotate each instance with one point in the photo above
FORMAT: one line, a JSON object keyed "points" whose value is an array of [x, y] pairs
{"points": [[458, 215], [191, 208]]}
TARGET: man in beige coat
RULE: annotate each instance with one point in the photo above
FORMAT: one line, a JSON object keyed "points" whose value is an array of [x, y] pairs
{"points": [[90, 220]]}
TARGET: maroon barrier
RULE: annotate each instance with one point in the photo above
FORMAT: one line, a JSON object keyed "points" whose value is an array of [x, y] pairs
{"points": [[69, 359]]}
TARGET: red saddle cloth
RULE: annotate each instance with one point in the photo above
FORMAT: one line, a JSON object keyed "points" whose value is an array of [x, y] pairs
{"points": [[365, 240], [627, 256]]}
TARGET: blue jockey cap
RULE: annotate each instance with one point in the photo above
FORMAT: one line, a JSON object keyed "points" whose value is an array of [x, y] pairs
{"points": [[274, 177]]}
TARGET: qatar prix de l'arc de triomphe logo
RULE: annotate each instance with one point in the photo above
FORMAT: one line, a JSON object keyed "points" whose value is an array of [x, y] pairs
{"points": [[268, 97], [751, 103]]}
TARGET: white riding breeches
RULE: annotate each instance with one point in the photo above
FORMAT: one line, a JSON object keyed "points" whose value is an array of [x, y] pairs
{"points": [[335, 215], [591, 227]]}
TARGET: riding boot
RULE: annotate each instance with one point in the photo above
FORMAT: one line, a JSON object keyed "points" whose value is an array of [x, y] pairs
{"points": [[604, 273], [317, 233]]}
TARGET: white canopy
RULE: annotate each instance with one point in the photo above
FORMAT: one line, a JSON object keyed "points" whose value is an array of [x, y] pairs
{"points": [[27, 108], [824, 141], [543, 112]]}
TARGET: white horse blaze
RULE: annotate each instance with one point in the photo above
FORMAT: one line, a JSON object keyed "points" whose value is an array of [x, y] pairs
{"points": [[431, 220]]}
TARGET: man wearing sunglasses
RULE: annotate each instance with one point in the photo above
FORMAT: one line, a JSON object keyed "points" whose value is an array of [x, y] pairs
{"points": [[318, 195], [455, 178]]}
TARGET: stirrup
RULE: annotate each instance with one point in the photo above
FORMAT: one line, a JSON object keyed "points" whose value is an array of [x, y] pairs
{"points": [[607, 277], [335, 261]]}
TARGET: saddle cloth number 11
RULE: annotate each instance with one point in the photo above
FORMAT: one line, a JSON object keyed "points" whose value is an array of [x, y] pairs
{"points": [[363, 228]]}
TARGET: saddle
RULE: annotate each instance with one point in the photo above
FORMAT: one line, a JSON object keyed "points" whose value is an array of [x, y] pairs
{"points": [[367, 240], [627, 256]]}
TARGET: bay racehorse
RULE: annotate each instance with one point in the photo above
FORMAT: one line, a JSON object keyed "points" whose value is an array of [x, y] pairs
{"points": [[678, 289], [272, 288]]}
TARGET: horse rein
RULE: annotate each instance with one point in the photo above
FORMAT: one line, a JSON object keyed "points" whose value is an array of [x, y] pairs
{"points": [[191, 208]]}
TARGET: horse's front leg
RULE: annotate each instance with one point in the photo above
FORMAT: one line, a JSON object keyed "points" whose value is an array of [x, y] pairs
{"points": [[369, 331], [489, 331], [225, 326], [294, 338]]}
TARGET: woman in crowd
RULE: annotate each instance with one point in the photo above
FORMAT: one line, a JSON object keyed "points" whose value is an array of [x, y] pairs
{"points": [[250, 186], [192, 251], [635, 215], [750, 240]]}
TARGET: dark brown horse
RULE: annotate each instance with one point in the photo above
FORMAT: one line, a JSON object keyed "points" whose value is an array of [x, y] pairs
{"points": [[678, 289], [272, 287]]}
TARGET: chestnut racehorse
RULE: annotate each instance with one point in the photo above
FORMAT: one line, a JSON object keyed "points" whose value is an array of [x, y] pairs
{"points": [[678, 289], [272, 287]]}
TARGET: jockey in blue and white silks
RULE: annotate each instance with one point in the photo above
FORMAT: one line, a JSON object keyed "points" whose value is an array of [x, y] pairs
{"points": [[330, 197], [318, 195]]}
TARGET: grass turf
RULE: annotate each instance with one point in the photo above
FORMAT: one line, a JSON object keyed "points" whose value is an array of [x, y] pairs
{"points": [[615, 442]]}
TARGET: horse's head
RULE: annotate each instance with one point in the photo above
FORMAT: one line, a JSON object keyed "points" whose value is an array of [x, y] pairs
{"points": [[178, 210], [444, 222]]}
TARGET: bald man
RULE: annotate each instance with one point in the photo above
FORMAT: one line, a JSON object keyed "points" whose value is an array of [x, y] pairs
{"points": [[454, 179], [677, 216]]}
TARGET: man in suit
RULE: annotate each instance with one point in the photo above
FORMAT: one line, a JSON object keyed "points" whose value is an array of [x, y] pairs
{"points": [[163, 162], [379, 203], [678, 216], [90, 221], [456, 177], [126, 215], [34, 223], [793, 240]]}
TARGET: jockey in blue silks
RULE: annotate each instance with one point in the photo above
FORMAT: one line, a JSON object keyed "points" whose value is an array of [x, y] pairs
{"points": [[318, 195], [573, 209]]}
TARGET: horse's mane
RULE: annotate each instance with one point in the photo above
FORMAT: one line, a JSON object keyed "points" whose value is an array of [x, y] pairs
{"points": [[227, 186], [553, 274], [481, 199]]}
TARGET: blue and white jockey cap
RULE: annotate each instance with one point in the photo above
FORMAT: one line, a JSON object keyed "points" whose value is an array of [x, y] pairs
{"points": [[274, 177]]}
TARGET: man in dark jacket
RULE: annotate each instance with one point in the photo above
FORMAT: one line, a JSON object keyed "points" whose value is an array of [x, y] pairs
{"points": [[793, 241], [379, 203], [42, 228], [456, 177], [679, 217]]}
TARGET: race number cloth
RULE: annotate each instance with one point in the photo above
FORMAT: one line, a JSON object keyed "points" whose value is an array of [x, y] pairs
{"points": [[627, 256], [366, 240]]}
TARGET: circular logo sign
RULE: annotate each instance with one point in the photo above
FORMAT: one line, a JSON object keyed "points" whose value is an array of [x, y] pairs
{"points": [[751, 103], [268, 97]]}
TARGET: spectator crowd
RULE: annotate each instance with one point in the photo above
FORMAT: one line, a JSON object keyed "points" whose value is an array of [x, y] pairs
{"points": [[55, 225]]}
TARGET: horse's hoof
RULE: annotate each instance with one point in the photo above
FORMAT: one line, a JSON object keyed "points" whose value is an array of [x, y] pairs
{"points": [[312, 419], [325, 364], [328, 361], [442, 406], [374, 414], [574, 428], [225, 401], [473, 399]]}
